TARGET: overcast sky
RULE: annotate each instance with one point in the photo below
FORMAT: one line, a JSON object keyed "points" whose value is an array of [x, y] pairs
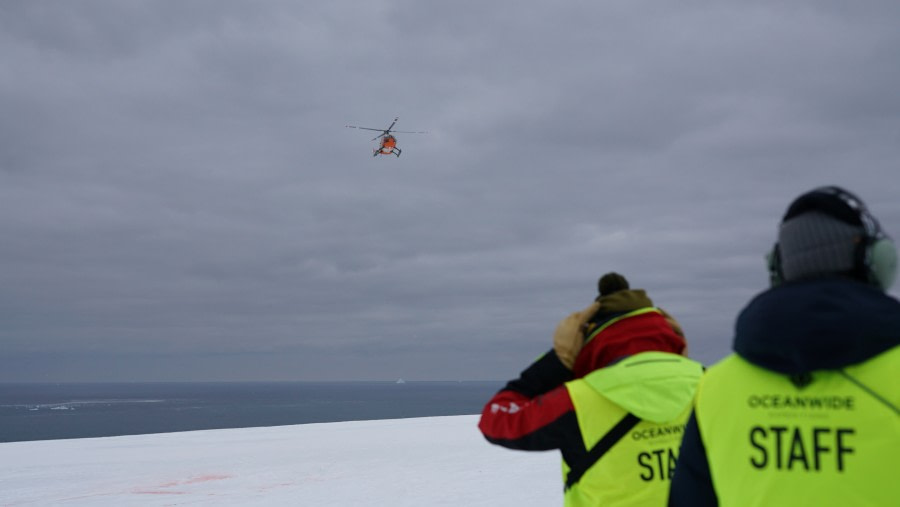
{"points": [[180, 200]]}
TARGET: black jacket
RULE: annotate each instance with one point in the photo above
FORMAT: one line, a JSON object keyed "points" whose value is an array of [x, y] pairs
{"points": [[794, 329]]}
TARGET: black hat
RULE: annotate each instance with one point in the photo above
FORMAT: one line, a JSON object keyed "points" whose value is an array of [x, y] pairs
{"points": [[611, 282]]}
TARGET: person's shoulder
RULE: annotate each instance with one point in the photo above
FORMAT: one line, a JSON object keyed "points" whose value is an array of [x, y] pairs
{"points": [[885, 364], [728, 365]]}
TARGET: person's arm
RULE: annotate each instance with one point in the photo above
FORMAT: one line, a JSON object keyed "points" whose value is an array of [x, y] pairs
{"points": [[533, 412], [692, 483]]}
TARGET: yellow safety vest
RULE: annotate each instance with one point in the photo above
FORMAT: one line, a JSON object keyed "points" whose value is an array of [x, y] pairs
{"points": [[835, 441], [655, 386]]}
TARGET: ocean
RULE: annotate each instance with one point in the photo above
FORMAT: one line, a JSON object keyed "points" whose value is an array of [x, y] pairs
{"points": [[83, 410]]}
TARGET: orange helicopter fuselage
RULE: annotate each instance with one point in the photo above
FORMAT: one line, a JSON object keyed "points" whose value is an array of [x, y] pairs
{"points": [[388, 143]]}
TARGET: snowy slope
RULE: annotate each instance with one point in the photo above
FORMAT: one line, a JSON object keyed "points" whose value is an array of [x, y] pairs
{"points": [[400, 462]]}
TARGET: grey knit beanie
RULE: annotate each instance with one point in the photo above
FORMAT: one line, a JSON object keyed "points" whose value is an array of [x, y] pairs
{"points": [[815, 244]]}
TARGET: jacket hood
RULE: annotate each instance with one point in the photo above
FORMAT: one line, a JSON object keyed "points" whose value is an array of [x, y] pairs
{"points": [[655, 386], [624, 301], [613, 334], [819, 324]]}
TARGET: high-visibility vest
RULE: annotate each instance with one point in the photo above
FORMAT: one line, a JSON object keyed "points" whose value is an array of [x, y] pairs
{"points": [[638, 468], [832, 438]]}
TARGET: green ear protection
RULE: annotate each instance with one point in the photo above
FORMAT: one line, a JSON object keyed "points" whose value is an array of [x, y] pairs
{"points": [[875, 257], [881, 262]]}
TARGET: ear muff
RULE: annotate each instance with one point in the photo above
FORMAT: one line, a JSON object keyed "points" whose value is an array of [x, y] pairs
{"points": [[773, 262], [876, 255], [881, 262]]}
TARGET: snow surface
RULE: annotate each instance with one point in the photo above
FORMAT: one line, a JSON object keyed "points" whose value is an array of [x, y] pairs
{"points": [[397, 462]]}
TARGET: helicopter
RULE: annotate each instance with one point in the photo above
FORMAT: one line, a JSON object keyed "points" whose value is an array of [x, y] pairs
{"points": [[388, 144]]}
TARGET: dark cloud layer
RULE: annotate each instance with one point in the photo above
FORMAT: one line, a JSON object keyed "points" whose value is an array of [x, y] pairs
{"points": [[179, 199]]}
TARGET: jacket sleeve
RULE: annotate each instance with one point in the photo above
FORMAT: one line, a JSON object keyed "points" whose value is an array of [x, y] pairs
{"points": [[533, 412], [692, 483]]}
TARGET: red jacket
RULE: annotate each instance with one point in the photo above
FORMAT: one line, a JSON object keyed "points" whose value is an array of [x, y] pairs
{"points": [[535, 412]]}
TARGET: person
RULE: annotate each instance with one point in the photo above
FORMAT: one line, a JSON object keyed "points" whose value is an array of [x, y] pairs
{"points": [[612, 395], [805, 409]]}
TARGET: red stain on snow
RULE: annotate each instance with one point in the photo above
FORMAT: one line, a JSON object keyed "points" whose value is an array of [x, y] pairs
{"points": [[206, 478], [193, 480]]}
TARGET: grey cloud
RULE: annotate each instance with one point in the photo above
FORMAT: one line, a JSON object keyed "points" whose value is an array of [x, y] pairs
{"points": [[180, 200]]}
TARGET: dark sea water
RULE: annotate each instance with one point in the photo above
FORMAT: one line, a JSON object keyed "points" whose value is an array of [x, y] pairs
{"points": [[54, 411]]}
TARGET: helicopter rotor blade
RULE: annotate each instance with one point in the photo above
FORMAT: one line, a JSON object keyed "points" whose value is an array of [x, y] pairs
{"points": [[392, 124], [363, 128]]}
